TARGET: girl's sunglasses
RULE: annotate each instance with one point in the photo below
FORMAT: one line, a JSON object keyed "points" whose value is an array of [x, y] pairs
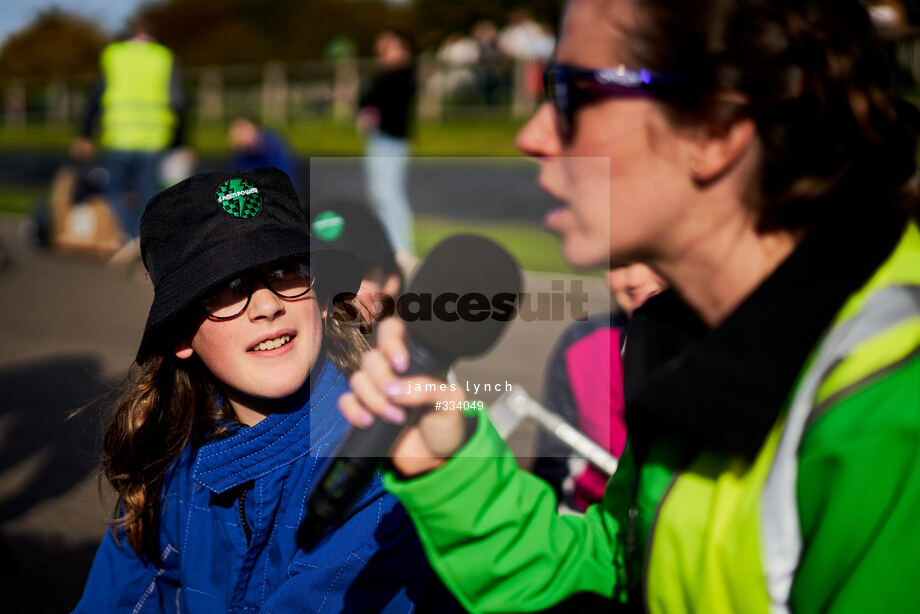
{"points": [[571, 87], [290, 278]]}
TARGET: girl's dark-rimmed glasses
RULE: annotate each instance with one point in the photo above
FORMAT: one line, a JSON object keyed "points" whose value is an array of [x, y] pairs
{"points": [[290, 278]]}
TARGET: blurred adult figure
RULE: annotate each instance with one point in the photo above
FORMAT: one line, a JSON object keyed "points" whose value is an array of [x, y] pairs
{"points": [[458, 55], [136, 102], [584, 385], [491, 59], [255, 146], [756, 155], [525, 39], [889, 16], [529, 42], [385, 114]]}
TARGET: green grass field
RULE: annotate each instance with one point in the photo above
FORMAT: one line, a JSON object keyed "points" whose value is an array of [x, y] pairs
{"points": [[14, 199], [493, 138], [534, 248]]}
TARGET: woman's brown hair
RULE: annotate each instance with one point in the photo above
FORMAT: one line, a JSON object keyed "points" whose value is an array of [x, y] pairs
{"points": [[167, 404], [816, 82]]}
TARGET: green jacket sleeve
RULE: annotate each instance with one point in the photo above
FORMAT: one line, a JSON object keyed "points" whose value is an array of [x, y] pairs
{"points": [[859, 501], [492, 533]]}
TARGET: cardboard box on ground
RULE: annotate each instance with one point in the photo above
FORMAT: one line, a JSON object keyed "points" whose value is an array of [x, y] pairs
{"points": [[88, 227]]}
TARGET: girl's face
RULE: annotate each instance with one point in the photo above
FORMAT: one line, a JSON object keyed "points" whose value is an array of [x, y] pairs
{"points": [[623, 177], [263, 355], [634, 284]]}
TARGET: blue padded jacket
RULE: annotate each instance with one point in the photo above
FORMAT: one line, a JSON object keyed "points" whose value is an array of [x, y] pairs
{"points": [[228, 525]]}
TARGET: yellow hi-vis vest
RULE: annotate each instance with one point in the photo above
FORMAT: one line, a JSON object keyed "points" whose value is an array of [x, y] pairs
{"points": [[136, 111]]}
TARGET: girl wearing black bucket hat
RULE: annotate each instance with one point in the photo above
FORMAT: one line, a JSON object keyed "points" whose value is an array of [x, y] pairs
{"points": [[229, 414]]}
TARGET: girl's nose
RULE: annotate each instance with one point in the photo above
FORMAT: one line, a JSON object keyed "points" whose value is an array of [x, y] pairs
{"points": [[264, 303]]}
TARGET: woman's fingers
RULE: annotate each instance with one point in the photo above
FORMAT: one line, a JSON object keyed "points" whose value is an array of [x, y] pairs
{"points": [[391, 341], [421, 391], [368, 385], [378, 392]]}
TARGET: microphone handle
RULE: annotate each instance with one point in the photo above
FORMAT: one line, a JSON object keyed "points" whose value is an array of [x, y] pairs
{"points": [[356, 461]]}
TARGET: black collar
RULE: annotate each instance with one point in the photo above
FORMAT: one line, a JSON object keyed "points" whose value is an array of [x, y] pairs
{"points": [[724, 389]]}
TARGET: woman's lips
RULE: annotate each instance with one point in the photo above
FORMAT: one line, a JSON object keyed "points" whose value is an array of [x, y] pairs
{"points": [[552, 220]]}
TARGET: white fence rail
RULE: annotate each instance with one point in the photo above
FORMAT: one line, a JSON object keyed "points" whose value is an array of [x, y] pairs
{"points": [[278, 93]]}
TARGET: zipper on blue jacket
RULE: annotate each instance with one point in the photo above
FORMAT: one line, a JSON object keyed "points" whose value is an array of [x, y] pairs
{"points": [[247, 531]]}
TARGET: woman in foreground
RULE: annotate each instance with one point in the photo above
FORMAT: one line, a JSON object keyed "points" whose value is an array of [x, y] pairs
{"points": [[753, 154]]}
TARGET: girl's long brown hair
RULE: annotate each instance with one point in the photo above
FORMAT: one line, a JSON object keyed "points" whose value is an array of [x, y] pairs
{"points": [[167, 404]]}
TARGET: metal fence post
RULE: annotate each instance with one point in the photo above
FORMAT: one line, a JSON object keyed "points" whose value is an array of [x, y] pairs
{"points": [[429, 87], [14, 105], [274, 94], [210, 95], [345, 88], [522, 97], [57, 103]]}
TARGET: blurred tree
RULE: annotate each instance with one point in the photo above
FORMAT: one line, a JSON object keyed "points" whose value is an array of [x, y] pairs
{"points": [[205, 32], [55, 44]]}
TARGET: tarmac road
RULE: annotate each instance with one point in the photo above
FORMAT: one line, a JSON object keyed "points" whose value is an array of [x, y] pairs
{"points": [[468, 188], [69, 328]]}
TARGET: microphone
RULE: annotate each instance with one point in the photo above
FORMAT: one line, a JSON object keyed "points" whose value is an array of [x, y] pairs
{"points": [[459, 301], [511, 407]]}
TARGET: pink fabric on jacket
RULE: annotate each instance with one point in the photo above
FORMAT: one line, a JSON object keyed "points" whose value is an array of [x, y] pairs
{"points": [[595, 372]]}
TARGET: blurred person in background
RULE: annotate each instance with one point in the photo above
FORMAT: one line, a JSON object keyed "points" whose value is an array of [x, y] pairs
{"points": [[757, 156], [490, 60], [136, 102], [385, 115], [255, 146], [353, 227], [527, 41], [889, 16], [457, 57], [584, 386]]}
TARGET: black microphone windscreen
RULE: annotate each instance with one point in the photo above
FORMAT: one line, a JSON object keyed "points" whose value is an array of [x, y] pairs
{"points": [[461, 297]]}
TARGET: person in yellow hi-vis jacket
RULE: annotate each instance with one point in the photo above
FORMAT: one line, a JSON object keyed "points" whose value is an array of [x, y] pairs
{"points": [[754, 153], [136, 103]]}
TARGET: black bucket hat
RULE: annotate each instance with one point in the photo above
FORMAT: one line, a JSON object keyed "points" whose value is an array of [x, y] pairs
{"points": [[212, 226]]}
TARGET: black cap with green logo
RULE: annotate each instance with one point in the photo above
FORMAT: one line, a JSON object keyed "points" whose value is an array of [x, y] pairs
{"points": [[352, 226], [212, 226]]}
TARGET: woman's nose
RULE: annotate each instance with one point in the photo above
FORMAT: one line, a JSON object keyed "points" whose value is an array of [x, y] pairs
{"points": [[539, 137]]}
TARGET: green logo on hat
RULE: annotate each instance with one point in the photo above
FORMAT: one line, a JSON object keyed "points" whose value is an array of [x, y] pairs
{"points": [[239, 198], [328, 226]]}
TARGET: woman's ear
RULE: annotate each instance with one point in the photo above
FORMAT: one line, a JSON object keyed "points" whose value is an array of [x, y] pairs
{"points": [[715, 153]]}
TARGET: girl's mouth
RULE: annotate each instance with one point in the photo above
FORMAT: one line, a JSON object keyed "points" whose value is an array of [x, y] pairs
{"points": [[271, 344]]}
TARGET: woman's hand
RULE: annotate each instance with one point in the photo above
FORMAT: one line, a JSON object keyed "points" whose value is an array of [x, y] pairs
{"points": [[379, 392], [368, 119]]}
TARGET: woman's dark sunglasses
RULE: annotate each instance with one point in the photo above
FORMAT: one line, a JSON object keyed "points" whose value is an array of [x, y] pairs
{"points": [[290, 278], [571, 87]]}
